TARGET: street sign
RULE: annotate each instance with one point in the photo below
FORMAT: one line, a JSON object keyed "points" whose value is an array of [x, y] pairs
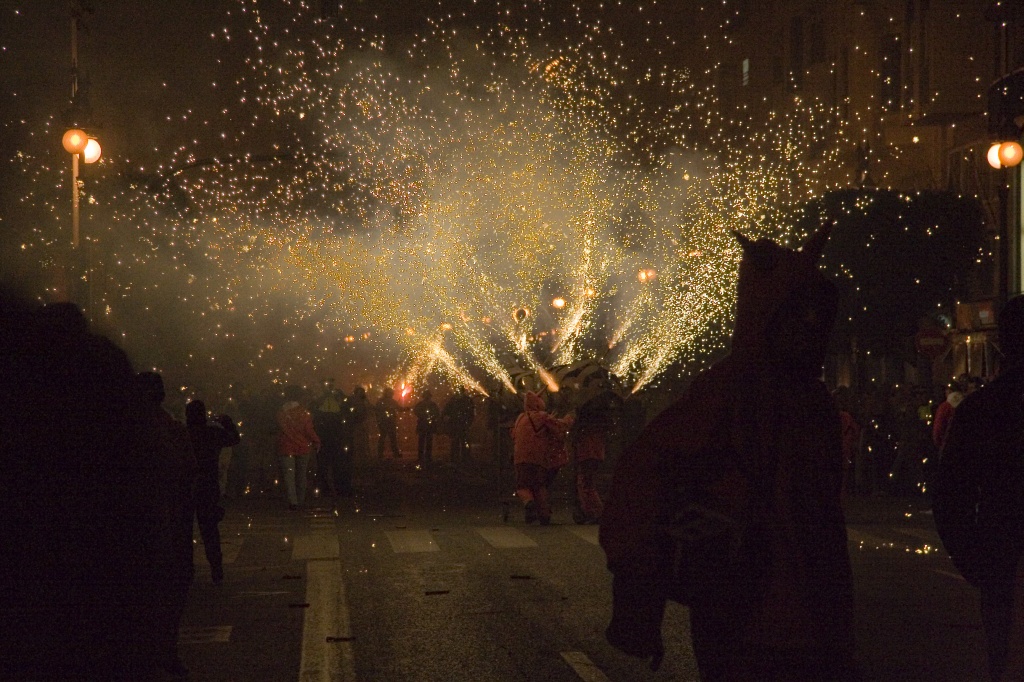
{"points": [[931, 342]]}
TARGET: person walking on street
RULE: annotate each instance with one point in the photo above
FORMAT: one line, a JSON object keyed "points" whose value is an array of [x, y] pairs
{"points": [[538, 453], [296, 440], [428, 417], [979, 487], [588, 439], [207, 438], [457, 417], [386, 410], [359, 409], [331, 420]]}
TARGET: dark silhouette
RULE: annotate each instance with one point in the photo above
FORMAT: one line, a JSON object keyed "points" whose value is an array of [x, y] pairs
{"points": [[245, 457], [386, 411], [332, 419], [208, 437], [502, 411], [588, 439], [428, 418], [457, 418], [173, 445], [730, 499], [360, 410], [632, 419], [980, 484], [84, 515]]}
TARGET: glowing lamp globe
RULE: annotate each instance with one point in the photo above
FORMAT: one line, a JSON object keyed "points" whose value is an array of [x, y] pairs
{"points": [[74, 141], [993, 156], [1010, 154], [92, 151]]}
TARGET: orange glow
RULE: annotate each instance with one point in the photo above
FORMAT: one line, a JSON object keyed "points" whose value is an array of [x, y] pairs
{"points": [[74, 141], [1010, 154]]}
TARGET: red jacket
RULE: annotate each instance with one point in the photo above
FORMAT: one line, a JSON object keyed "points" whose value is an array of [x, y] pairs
{"points": [[943, 417], [539, 437], [296, 436]]}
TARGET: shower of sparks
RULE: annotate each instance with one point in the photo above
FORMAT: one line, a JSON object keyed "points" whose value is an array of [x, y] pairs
{"points": [[416, 194]]}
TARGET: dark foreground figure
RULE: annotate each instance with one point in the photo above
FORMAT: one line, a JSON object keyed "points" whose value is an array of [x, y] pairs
{"points": [[745, 467], [87, 541], [208, 437], [979, 494]]}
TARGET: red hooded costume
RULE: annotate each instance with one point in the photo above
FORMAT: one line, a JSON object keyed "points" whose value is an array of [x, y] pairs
{"points": [[539, 453], [758, 424]]}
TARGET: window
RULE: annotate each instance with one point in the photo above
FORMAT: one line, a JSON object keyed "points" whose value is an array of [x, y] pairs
{"points": [[746, 72]]}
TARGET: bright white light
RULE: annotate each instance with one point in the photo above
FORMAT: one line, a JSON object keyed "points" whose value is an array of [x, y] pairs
{"points": [[993, 156], [92, 152]]}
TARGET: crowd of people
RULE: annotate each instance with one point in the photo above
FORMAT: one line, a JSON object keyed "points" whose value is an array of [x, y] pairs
{"points": [[298, 440], [730, 501], [103, 489], [892, 435]]}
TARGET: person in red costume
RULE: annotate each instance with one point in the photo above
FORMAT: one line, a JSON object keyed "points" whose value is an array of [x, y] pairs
{"points": [[756, 438], [538, 454], [296, 441], [944, 414]]}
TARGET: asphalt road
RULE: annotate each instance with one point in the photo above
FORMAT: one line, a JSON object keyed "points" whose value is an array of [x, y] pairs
{"points": [[419, 577]]}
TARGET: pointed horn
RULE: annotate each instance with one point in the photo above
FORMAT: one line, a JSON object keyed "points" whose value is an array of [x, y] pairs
{"points": [[745, 242], [815, 244]]}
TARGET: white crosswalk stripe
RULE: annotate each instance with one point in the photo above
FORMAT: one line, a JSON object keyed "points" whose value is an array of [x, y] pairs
{"points": [[505, 537], [588, 533], [584, 667], [317, 546]]}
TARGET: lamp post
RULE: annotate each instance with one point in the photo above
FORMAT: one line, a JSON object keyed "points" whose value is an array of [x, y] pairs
{"points": [[76, 141], [1006, 124]]}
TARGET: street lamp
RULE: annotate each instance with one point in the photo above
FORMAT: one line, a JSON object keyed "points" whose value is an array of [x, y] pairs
{"points": [[78, 144], [1005, 154], [1006, 124]]}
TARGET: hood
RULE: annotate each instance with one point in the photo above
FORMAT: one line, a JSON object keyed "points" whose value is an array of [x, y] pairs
{"points": [[774, 281], [534, 403]]}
